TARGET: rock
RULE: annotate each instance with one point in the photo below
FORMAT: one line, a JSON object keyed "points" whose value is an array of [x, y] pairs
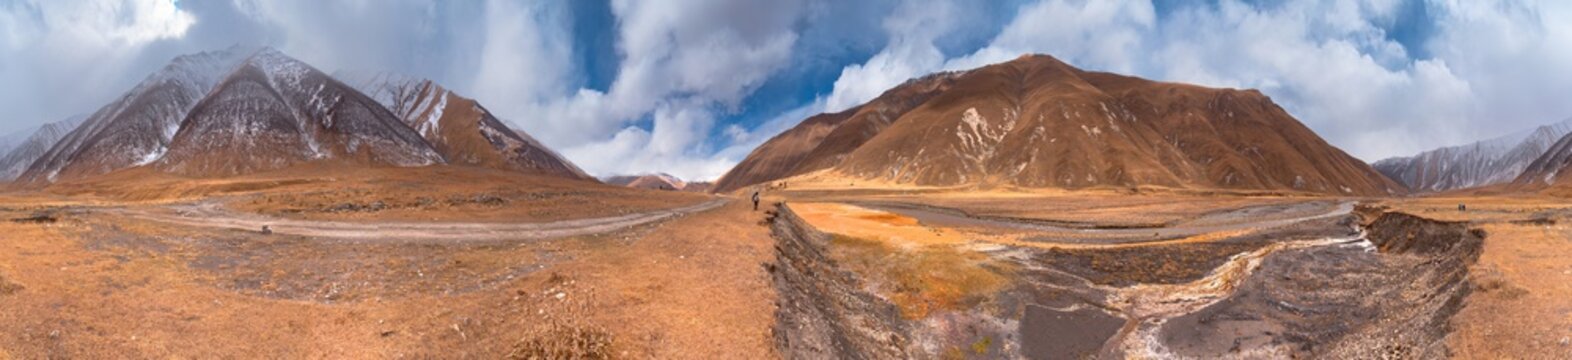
{"points": [[266, 230]]}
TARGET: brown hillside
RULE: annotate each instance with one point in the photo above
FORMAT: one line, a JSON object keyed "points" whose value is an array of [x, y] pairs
{"points": [[462, 130], [1038, 122], [822, 140]]}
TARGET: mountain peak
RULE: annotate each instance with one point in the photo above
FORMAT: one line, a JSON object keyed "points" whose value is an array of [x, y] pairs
{"points": [[1038, 122], [1487, 162], [465, 132]]}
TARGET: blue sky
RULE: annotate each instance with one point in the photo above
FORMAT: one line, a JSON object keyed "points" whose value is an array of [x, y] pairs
{"points": [[689, 87]]}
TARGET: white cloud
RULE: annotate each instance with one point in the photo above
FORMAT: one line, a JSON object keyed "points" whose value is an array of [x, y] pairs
{"points": [[913, 28], [1108, 33], [59, 58], [681, 63]]}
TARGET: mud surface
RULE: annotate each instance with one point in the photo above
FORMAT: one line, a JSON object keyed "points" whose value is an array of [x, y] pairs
{"points": [[1304, 281]]}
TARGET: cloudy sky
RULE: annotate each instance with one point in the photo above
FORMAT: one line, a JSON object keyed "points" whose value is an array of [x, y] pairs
{"points": [[689, 87]]}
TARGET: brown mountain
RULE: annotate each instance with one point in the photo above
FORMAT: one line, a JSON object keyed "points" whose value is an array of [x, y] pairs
{"points": [[649, 182], [1037, 122], [462, 130]]}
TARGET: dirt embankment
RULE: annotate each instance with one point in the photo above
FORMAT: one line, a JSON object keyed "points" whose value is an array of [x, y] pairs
{"points": [[822, 310], [1333, 297], [1394, 301]]}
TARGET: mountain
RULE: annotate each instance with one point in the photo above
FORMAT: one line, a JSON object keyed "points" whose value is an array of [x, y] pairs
{"points": [[1036, 122], [273, 112], [460, 129], [1545, 171], [821, 141], [43, 137], [1494, 161], [660, 181], [14, 139], [698, 187], [136, 128]]}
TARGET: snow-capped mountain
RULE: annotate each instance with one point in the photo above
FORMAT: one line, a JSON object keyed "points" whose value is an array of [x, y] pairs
{"points": [[273, 111], [1489, 162], [240, 111], [1548, 169], [462, 130], [35, 145], [137, 128]]}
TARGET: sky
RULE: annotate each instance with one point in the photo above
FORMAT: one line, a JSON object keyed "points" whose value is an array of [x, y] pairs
{"points": [[690, 87]]}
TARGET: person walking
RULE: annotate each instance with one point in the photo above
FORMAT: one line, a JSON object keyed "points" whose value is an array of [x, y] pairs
{"points": [[755, 200]]}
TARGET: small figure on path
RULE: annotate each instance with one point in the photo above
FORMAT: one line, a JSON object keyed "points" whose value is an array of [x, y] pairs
{"points": [[755, 200]]}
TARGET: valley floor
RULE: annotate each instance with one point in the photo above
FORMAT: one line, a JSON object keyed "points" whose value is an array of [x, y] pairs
{"points": [[153, 280], [948, 274]]}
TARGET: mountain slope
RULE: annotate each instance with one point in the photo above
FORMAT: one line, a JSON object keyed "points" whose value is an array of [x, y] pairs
{"points": [[136, 128], [1489, 162], [274, 111], [659, 181], [1546, 170], [1038, 122], [34, 146], [821, 141], [462, 130], [14, 139]]}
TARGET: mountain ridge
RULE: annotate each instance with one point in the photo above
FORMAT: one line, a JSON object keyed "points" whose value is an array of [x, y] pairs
{"points": [[136, 128], [43, 137], [1036, 122], [460, 128], [1482, 163]]}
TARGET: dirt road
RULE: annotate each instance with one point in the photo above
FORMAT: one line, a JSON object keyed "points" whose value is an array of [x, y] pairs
{"points": [[213, 215]]}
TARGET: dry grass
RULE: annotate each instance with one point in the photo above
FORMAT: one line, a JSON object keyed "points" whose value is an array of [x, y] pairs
{"points": [[321, 192], [106, 286], [559, 341], [1520, 306], [925, 280], [7, 287]]}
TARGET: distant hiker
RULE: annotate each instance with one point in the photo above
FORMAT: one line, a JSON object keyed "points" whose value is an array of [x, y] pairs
{"points": [[755, 200]]}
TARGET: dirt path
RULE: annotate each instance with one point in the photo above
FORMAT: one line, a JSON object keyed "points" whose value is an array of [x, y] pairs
{"points": [[213, 215]]}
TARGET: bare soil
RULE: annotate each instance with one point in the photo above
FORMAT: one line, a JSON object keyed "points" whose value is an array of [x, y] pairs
{"points": [[95, 282]]}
